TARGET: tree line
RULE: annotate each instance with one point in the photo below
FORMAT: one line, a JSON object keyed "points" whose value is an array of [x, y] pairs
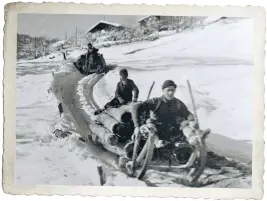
{"points": [[29, 47]]}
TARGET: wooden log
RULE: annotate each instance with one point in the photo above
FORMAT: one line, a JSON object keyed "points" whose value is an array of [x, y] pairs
{"points": [[118, 149], [108, 122], [121, 114], [128, 107], [105, 135], [124, 131]]}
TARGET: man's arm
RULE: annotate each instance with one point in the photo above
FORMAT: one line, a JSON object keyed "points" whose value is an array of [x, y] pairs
{"points": [[136, 90], [118, 94], [184, 112]]}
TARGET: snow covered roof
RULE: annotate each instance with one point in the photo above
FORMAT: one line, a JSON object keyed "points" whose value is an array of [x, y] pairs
{"points": [[147, 17], [103, 22]]}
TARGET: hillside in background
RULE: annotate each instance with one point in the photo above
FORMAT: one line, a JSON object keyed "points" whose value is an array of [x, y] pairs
{"points": [[150, 30], [29, 47]]}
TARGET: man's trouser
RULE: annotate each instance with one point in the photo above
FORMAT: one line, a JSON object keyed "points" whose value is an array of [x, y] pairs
{"points": [[114, 103], [169, 133]]}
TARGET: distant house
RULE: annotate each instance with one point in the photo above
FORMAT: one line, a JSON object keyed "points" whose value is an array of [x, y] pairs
{"points": [[143, 21], [104, 25]]}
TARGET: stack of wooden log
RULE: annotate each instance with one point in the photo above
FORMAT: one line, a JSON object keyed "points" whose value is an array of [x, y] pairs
{"points": [[114, 126]]}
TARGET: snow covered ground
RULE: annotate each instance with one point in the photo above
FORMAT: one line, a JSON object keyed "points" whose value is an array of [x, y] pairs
{"points": [[41, 158], [217, 60]]}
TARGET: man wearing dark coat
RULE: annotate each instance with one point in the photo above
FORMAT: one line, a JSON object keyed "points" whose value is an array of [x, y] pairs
{"points": [[91, 52], [123, 93]]}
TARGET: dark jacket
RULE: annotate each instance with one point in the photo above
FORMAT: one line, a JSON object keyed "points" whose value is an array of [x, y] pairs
{"points": [[89, 68], [168, 112], [92, 49], [124, 92]]}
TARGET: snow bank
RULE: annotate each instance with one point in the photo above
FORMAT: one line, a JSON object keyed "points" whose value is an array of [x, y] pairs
{"points": [[53, 57], [84, 90], [163, 33], [74, 54]]}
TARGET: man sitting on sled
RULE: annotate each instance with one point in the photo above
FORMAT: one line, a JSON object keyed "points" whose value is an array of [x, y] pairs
{"points": [[123, 94], [168, 116], [91, 52]]}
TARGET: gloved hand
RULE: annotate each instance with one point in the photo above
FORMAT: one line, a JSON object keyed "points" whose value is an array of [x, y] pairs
{"points": [[159, 143], [136, 133]]}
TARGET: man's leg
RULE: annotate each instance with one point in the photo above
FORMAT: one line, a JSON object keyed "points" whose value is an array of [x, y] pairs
{"points": [[113, 103]]}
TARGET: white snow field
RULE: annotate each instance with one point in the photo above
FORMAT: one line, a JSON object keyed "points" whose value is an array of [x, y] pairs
{"points": [[217, 60]]}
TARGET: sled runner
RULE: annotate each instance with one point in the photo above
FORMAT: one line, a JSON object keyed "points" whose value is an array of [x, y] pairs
{"points": [[182, 156]]}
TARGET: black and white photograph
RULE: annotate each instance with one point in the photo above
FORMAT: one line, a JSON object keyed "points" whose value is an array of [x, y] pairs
{"points": [[134, 100]]}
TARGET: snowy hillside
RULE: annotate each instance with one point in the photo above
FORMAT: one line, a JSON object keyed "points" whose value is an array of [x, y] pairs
{"points": [[216, 59], [29, 47]]}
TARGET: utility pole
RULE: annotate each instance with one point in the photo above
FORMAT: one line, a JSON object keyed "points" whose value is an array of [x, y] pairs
{"points": [[35, 48], [43, 47], [76, 37], [66, 36]]}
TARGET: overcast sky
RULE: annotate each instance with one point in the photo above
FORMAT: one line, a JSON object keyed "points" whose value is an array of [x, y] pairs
{"points": [[53, 25]]}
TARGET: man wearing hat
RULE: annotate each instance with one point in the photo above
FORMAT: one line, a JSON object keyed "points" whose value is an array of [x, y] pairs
{"points": [[168, 114], [91, 48], [123, 93]]}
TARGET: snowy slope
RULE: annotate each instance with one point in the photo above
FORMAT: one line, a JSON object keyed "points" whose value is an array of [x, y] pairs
{"points": [[218, 62], [233, 40], [41, 158]]}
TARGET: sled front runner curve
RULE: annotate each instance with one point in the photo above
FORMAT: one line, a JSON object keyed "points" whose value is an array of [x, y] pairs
{"points": [[196, 162]]}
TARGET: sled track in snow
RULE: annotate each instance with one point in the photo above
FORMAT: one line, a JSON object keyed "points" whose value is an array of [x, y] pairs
{"points": [[220, 171]]}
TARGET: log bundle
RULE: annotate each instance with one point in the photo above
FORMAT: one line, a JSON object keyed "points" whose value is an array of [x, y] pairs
{"points": [[105, 135], [118, 149], [120, 129], [119, 114], [108, 122], [122, 114], [113, 128]]}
